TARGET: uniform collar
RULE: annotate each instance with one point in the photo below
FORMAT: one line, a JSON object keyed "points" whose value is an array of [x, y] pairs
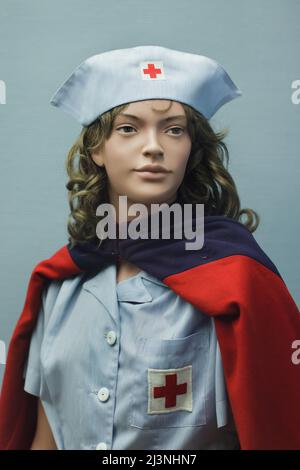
{"points": [[104, 287], [135, 289], [153, 279]]}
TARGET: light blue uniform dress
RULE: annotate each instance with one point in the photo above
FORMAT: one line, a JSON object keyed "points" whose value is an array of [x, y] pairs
{"points": [[127, 366]]}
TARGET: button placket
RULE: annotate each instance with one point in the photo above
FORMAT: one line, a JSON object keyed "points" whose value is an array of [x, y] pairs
{"points": [[101, 446], [111, 337], [103, 394]]}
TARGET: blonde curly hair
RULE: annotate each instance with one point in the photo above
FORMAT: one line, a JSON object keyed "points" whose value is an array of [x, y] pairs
{"points": [[206, 178]]}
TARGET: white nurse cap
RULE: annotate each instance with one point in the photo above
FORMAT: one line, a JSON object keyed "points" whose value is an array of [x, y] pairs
{"points": [[121, 76]]}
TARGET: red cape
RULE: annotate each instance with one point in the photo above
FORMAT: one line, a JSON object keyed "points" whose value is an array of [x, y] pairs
{"points": [[256, 322]]}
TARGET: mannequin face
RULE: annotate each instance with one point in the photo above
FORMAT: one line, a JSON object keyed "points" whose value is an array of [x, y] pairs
{"points": [[148, 141]]}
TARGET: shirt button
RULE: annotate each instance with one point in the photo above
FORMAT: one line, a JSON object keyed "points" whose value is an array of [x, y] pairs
{"points": [[101, 446], [103, 394], [111, 337]]}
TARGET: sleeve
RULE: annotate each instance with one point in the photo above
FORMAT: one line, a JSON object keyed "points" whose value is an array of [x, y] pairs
{"points": [[32, 370]]}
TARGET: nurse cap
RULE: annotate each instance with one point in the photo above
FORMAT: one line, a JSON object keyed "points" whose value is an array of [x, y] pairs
{"points": [[121, 76]]}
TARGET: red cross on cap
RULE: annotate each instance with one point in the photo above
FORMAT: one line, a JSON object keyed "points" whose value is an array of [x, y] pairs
{"points": [[152, 70]]}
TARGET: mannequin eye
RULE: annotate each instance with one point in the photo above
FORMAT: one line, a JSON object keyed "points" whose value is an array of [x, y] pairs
{"points": [[125, 127], [174, 128], [171, 129]]}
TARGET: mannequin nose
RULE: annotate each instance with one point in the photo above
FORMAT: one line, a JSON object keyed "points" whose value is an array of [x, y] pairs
{"points": [[152, 145]]}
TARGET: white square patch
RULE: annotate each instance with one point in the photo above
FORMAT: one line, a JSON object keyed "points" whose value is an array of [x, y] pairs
{"points": [[152, 70], [170, 390]]}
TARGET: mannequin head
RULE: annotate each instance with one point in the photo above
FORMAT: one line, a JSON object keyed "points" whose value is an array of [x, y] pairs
{"points": [[148, 139], [101, 164]]}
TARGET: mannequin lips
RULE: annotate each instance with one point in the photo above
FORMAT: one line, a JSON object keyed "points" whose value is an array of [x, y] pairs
{"points": [[151, 174], [153, 168]]}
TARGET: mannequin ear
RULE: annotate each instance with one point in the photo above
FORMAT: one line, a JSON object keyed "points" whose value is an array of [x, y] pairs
{"points": [[97, 158]]}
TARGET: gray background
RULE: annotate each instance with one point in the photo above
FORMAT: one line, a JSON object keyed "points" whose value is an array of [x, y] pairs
{"points": [[41, 42]]}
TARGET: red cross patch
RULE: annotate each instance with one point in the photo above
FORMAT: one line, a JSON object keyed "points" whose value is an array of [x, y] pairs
{"points": [[169, 390], [152, 70]]}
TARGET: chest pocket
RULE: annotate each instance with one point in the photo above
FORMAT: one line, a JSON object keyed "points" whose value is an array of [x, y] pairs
{"points": [[170, 382]]}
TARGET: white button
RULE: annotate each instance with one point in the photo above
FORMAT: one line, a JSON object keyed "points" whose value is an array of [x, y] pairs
{"points": [[103, 394], [111, 337], [101, 446]]}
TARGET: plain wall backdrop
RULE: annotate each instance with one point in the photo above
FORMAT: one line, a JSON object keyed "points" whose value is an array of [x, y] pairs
{"points": [[41, 42]]}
